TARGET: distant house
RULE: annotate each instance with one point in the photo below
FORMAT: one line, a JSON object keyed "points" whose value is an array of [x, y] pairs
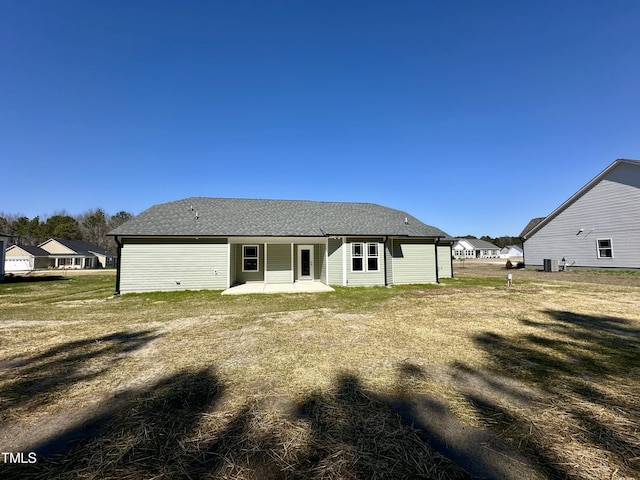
{"points": [[215, 243], [4, 241], [77, 254], [511, 251], [598, 226], [57, 253], [24, 258], [474, 248]]}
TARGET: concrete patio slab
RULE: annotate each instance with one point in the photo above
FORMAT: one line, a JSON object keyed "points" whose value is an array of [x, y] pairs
{"points": [[297, 287]]}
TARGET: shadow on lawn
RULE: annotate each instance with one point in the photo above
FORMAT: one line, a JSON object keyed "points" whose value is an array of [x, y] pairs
{"points": [[178, 427], [11, 278], [166, 431], [30, 382], [587, 366]]}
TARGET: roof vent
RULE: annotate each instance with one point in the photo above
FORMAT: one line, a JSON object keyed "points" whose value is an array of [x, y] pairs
{"points": [[406, 220]]}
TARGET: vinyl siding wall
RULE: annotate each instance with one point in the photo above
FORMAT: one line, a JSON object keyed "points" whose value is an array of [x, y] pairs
{"points": [[610, 210], [320, 267], [413, 261], [244, 277], [365, 278], [444, 261], [335, 247], [159, 266], [279, 265]]}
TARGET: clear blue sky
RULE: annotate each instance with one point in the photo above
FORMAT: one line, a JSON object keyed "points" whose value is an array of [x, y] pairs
{"points": [[474, 116]]}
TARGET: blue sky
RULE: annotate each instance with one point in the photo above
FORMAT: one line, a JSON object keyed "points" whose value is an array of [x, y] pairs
{"points": [[473, 116]]}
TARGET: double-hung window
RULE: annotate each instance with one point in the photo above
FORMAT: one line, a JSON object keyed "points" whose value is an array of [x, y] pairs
{"points": [[605, 248], [364, 257], [250, 258]]}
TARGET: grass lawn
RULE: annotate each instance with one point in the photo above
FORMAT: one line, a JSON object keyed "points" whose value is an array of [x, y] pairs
{"points": [[468, 378]]}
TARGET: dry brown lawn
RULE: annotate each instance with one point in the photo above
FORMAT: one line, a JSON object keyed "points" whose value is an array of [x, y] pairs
{"points": [[469, 378]]}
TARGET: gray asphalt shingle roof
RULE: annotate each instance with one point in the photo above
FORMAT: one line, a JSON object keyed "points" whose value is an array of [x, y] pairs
{"points": [[202, 216], [478, 243], [33, 250]]}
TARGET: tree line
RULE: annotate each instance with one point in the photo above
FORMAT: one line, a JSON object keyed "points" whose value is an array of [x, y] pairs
{"points": [[91, 226]]}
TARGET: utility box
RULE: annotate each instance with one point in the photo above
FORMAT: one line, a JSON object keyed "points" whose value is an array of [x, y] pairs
{"points": [[551, 265]]}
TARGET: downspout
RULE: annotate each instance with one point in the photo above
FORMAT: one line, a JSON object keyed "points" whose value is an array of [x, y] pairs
{"points": [[118, 265], [437, 267]]}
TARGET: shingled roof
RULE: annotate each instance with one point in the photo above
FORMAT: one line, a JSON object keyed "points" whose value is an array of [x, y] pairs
{"points": [[227, 217]]}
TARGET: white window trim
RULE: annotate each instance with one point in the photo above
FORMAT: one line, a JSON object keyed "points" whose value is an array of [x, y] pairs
{"points": [[365, 257], [257, 258], [598, 248]]}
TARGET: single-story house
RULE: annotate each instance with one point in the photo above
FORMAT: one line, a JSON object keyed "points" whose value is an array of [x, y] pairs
{"points": [[77, 254], [215, 243], [26, 258], [511, 251], [4, 241], [597, 227], [474, 248]]}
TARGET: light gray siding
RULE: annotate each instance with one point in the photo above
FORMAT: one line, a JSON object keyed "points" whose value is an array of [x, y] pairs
{"points": [[172, 265], [444, 261], [365, 278], [335, 261], [609, 210], [279, 267], [320, 252], [413, 261], [244, 277]]}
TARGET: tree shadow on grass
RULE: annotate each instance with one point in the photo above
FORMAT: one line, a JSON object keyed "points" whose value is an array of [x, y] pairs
{"points": [[139, 434], [346, 432], [30, 382], [11, 278], [587, 367]]}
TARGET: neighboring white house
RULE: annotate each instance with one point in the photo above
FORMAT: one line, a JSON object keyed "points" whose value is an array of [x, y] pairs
{"points": [[4, 240], [23, 258], [474, 248], [599, 226], [511, 251]]}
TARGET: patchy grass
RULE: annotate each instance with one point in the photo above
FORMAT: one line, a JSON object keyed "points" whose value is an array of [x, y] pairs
{"points": [[419, 381]]}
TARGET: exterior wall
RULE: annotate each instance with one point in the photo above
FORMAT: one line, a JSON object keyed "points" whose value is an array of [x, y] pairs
{"points": [[54, 247], [105, 262], [463, 249], [365, 278], [320, 252], [244, 277], [279, 265], [158, 265], [444, 261], [388, 259], [487, 253], [334, 250], [413, 261], [608, 211]]}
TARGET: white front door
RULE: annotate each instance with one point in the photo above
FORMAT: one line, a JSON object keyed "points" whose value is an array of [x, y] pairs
{"points": [[305, 262]]}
